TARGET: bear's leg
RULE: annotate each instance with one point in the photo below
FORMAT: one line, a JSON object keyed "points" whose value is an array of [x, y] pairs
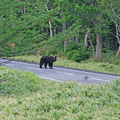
{"points": [[50, 65], [41, 63], [45, 64]]}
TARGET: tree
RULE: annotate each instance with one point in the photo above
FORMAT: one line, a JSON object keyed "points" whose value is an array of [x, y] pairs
{"points": [[22, 23], [92, 12], [113, 11]]}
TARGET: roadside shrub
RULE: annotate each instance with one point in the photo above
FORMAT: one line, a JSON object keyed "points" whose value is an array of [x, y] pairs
{"points": [[105, 50], [51, 49], [110, 56], [77, 53], [71, 47]]}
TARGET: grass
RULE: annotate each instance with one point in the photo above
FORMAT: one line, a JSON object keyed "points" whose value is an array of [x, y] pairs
{"points": [[24, 96], [109, 64]]}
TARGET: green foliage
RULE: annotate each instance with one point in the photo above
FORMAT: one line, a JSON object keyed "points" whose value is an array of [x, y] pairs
{"points": [[17, 83], [51, 49], [77, 53], [72, 46], [21, 27], [54, 100], [112, 10], [27, 23], [111, 58]]}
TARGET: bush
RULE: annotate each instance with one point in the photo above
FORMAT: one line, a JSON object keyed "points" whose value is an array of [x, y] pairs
{"points": [[72, 47], [110, 57], [77, 53], [77, 56], [51, 49]]}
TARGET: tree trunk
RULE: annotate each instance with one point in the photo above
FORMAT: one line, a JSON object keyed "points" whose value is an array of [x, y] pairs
{"points": [[50, 23], [51, 33], [118, 50], [65, 41], [92, 48], [55, 31], [86, 37], [99, 45], [117, 35], [24, 10]]}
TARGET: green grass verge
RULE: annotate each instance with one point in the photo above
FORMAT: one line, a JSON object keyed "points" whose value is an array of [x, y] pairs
{"points": [[24, 96], [108, 65], [17, 83]]}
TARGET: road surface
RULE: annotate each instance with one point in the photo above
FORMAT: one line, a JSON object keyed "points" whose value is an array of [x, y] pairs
{"points": [[61, 74]]}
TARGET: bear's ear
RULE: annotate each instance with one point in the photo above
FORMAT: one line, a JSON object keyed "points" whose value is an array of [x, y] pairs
{"points": [[55, 58]]}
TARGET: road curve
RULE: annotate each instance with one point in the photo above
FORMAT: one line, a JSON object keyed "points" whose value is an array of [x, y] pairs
{"points": [[61, 74]]}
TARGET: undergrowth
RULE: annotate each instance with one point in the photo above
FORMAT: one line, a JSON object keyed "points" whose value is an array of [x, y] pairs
{"points": [[17, 83], [24, 96]]}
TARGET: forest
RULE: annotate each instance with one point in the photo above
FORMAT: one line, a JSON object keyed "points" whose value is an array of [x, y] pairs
{"points": [[83, 29]]}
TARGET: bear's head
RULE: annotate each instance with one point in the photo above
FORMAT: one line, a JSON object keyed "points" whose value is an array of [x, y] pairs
{"points": [[55, 58]]}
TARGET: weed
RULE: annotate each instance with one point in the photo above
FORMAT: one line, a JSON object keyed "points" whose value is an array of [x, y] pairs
{"points": [[38, 99]]}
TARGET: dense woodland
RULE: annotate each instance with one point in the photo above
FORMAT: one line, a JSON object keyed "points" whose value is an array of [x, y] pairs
{"points": [[78, 28]]}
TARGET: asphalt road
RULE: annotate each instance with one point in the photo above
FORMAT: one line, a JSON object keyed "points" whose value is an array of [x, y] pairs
{"points": [[61, 74]]}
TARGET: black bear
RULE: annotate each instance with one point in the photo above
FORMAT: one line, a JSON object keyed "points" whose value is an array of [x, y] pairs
{"points": [[47, 60]]}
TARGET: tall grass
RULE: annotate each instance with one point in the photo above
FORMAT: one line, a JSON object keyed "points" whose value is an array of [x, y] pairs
{"points": [[45, 100]]}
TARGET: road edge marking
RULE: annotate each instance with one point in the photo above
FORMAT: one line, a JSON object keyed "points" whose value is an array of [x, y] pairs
{"points": [[50, 79], [97, 79]]}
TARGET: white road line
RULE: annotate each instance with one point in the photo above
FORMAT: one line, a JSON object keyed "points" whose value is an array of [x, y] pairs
{"points": [[85, 72], [23, 63], [56, 72], [9, 65], [34, 68], [100, 79], [65, 73], [50, 79]]}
